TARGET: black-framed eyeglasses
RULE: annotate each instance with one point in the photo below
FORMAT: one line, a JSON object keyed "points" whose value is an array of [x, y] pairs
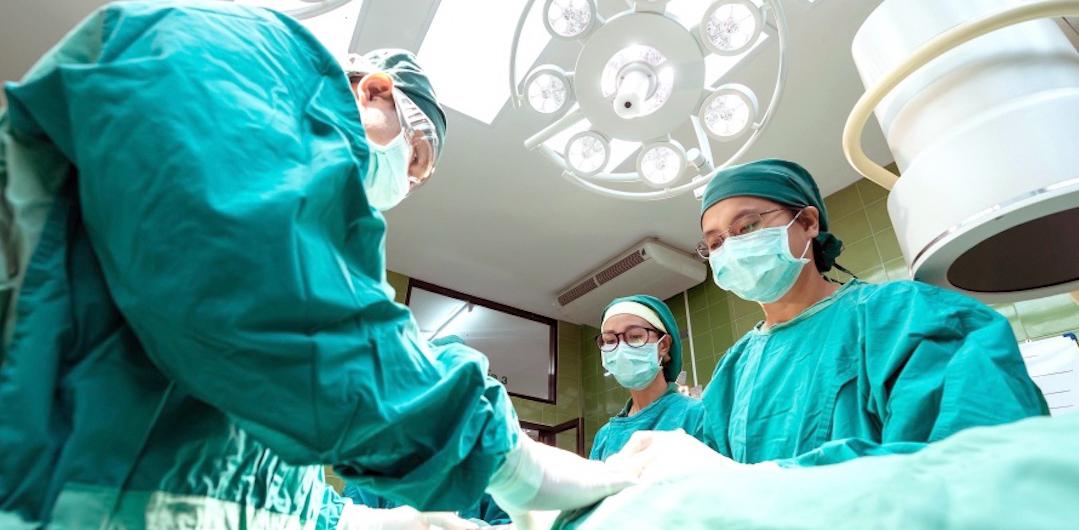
{"points": [[744, 224], [634, 336]]}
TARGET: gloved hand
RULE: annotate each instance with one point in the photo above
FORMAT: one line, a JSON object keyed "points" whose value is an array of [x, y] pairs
{"points": [[359, 517], [657, 455], [539, 477]]}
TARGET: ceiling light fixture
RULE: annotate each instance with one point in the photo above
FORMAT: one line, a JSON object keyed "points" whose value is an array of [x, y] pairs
{"points": [[548, 89], [661, 163], [588, 152], [569, 19], [640, 79]]}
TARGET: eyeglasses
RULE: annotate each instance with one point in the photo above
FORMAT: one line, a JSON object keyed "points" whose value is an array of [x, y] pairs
{"points": [[421, 135], [634, 336], [744, 224]]}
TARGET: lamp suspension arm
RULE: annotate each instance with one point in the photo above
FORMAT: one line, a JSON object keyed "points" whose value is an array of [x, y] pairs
{"points": [[515, 92]]}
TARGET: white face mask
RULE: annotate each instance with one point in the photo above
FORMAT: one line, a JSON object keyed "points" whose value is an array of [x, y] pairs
{"points": [[759, 267], [386, 182]]}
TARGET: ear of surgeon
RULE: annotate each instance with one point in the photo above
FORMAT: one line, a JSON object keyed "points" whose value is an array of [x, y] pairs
{"points": [[374, 98], [402, 157]]}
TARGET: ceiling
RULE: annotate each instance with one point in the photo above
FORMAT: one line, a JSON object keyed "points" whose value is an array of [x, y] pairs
{"points": [[499, 222]]}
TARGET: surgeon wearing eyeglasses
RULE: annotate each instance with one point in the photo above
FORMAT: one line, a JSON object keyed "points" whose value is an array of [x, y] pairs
{"points": [[641, 349], [839, 371], [200, 319]]}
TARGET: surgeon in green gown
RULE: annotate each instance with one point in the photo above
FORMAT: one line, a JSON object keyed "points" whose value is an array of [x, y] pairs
{"points": [[195, 311], [835, 372], [641, 348]]}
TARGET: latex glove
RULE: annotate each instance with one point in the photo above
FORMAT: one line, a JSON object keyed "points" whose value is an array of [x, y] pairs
{"points": [[360, 517], [658, 455], [537, 477]]}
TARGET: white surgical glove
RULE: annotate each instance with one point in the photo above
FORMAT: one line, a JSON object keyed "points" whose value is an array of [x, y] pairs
{"points": [[537, 477], [658, 455], [360, 517]]}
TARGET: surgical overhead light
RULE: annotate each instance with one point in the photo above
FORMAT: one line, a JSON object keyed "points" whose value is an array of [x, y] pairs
{"points": [[569, 19], [661, 163], [548, 89], [638, 79], [640, 87], [731, 27], [588, 152], [729, 112]]}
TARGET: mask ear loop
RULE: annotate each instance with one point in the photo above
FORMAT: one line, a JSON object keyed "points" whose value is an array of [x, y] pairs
{"points": [[790, 224], [670, 344], [806, 250]]}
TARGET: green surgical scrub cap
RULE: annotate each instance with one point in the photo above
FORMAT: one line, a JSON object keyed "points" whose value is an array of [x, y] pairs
{"points": [[783, 182], [407, 75], [674, 367]]}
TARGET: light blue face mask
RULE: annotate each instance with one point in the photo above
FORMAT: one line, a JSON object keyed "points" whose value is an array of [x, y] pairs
{"points": [[386, 182], [633, 368], [758, 266]]}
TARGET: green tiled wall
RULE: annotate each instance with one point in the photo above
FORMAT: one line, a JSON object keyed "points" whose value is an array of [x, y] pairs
{"points": [[859, 216], [399, 282], [568, 401]]}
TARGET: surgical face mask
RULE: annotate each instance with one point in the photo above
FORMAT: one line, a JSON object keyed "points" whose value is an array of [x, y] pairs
{"points": [[758, 266], [386, 182], [633, 368]]}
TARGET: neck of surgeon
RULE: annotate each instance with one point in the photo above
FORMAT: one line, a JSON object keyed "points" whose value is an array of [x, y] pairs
{"points": [[811, 287], [649, 394]]}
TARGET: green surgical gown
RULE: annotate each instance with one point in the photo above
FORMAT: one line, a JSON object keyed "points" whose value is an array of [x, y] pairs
{"points": [[200, 315], [873, 369], [670, 412]]}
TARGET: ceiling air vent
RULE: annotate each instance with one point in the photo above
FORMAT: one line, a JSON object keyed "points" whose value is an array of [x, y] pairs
{"points": [[650, 267], [622, 266], [577, 291]]}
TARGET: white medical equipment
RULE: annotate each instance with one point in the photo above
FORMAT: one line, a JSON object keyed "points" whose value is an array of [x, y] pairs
{"points": [[979, 101]]}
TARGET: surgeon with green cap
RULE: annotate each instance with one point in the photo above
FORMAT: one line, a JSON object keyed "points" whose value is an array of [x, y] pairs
{"points": [[195, 313], [836, 372], [641, 348]]}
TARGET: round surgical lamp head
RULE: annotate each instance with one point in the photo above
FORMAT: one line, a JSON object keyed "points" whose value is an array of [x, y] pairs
{"points": [[661, 163], [730, 27], [569, 19], [587, 153], [729, 112], [548, 89]]}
